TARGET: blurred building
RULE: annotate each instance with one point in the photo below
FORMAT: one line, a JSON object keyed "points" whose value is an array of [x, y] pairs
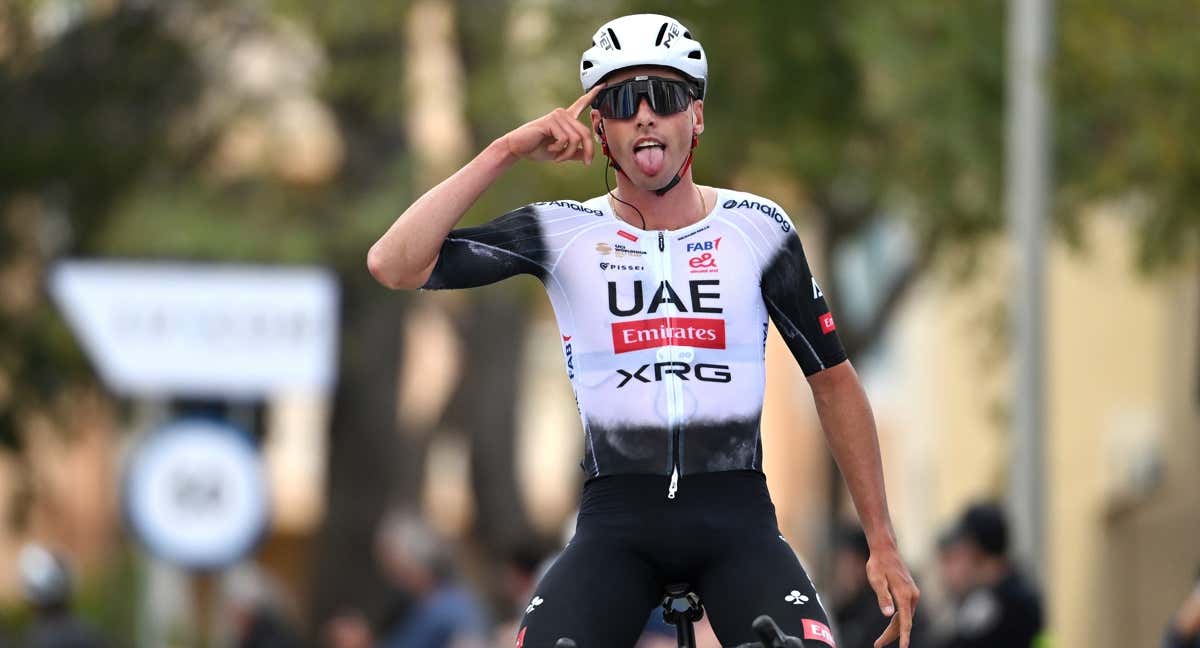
{"points": [[1122, 423], [1123, 412]]}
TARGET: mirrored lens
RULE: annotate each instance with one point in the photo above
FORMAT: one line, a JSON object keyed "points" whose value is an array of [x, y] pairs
{"points": [[665, 96]]}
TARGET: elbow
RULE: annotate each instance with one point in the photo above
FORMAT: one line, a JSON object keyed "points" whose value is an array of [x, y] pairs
{"points": [[834, 382], [385, 274]]}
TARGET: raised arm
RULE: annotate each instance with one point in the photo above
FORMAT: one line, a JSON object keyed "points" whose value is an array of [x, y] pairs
{"points": [[406, 254]]}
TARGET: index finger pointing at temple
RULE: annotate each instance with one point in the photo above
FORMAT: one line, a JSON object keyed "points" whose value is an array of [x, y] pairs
{"points": [[582, 102]]}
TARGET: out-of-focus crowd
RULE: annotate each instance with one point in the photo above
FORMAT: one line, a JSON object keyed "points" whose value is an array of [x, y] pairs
{"points": [[982, 599]]}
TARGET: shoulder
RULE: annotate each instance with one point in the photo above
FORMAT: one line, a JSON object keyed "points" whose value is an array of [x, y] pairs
{"points": [[762, 211], [532, 221], [590, 208]]}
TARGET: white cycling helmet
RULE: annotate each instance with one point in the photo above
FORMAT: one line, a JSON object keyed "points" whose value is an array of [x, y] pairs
{"points": [[643, 39]]}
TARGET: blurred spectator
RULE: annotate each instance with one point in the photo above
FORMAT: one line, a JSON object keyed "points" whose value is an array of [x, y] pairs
{"points": [[519, 574], [954, 582], [1184, 629], [47, 585], [855, 605], [265, 629], [349, 629], [444, 613], [257, 607], [996, 608], [955, 565]]}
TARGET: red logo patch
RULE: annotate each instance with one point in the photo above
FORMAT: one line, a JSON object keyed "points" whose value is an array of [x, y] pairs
{"points": [[626, 235], [521, 637], [703, 263], [566, 338], [827, 324], [682, 331], [819, 631]]}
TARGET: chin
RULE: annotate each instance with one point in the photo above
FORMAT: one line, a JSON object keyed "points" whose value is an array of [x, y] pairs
{"points": [[652, 183]]}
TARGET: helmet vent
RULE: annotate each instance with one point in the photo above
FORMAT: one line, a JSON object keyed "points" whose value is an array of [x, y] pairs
{"points": [[661, 32], [587, 65], [687, 34], [694, 54], [613, 35]]}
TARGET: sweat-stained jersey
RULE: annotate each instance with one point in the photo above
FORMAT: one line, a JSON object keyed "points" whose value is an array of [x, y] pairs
{"points": [[664, 332]]}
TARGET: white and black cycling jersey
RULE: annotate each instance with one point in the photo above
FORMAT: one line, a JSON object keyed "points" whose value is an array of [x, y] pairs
{"points": [[664, 332]]}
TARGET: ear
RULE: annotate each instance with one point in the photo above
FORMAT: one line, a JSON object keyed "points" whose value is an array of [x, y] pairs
{"points": [[597, 122], [598, 126], [697, 117]]}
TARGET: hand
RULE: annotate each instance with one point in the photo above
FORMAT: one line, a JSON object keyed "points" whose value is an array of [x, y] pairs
{"points": [[1187, 619], [897, 593], [558, 135]]}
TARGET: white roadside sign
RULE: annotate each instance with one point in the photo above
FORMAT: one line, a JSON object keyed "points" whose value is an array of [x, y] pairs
{"points": [[202, 330]]}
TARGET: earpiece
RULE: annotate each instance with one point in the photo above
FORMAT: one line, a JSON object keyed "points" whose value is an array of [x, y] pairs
{"points": [[603, 140]]}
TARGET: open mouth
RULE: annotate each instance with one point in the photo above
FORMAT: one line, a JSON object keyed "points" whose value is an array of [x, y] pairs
{"points": [[649, 153]]}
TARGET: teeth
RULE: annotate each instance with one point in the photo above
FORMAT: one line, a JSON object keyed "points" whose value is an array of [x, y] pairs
{"points": [[647, 145]]}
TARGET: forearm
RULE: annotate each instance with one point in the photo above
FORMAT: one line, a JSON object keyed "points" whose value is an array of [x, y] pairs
{"points": [[849, 428], [405, 255]]}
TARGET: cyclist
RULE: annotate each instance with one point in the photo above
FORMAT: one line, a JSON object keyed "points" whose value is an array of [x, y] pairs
{"points": [[662, 289]]}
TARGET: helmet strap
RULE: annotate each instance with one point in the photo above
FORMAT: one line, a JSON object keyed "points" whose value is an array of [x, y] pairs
{"points": [[682, 169], [663, 189]]}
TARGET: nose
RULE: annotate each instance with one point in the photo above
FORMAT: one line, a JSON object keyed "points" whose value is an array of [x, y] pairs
{"points": [[645, 115]]}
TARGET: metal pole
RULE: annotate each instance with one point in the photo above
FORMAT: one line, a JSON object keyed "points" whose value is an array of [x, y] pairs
{"points": [[1028, 178]]}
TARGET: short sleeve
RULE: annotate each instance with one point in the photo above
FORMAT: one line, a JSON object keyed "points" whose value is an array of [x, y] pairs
{"points": [[511, 244], [796, 303]]}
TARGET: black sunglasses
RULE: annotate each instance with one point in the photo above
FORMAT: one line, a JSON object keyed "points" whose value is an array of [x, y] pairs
{"points": [[666, 97]]}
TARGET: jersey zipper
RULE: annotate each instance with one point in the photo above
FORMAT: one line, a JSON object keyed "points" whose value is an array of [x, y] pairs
{"points": [[670, 385]]}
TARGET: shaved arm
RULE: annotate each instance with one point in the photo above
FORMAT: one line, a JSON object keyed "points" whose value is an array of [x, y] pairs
{"points": [[849, 427]]}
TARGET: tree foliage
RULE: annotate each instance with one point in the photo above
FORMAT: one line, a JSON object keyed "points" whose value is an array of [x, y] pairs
{"points": [[858, 115]]}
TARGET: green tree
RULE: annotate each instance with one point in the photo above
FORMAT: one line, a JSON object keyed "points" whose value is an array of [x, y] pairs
{"points": [[84, 119], [865, 114]]}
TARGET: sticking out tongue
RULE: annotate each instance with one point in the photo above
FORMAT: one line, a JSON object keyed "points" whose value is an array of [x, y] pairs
{"points": [[649, 160]]}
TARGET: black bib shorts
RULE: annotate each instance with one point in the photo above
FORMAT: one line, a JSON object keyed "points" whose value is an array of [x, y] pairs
{"points": [[719, 534]]}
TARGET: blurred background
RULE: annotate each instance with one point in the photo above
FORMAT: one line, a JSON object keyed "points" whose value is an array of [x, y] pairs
{"points": [[188, 190]]}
